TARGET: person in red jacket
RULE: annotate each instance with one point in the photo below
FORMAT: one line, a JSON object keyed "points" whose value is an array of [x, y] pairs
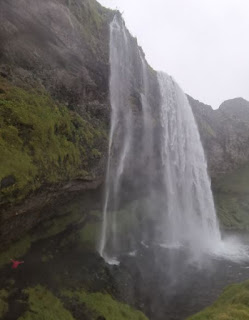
{"points": [[16, 263]]}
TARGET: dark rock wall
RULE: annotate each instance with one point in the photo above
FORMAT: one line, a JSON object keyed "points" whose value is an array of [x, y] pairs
{"points": [[62, 48], [225, 137], [58, 48], [61, 45], [224, 134]]}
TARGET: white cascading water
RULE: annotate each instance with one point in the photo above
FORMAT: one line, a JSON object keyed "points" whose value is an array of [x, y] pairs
{"points": [[178, 209], [191, 218], [120, 115]]}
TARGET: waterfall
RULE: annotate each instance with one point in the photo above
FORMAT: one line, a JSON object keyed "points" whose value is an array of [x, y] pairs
{"points": [[157, 190], [190, 213], [120, 133]]}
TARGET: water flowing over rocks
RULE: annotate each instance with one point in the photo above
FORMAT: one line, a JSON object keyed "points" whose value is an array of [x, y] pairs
{"points": [[54, 61], [174, 208]]}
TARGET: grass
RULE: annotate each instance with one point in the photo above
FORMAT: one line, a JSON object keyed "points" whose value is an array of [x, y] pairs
{"points": [[55, 226], [3, 303], [233, 304], [235, 182], [42, 142], [231, 195], [103, 305], [16, 250], [86, 236], [89, 234], [42, 304]]}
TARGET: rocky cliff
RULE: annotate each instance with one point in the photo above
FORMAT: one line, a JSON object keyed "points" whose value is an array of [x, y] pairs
{"points": [[224, 133], [225, 137], [54, 123], [54, 107]]}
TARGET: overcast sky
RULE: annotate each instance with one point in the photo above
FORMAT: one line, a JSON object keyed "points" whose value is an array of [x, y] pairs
{"points": [[203, 44]]}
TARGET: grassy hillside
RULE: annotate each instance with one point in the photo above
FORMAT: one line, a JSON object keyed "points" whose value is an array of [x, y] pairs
{"points": [[232, 199], [42, 142], [233, 304]]}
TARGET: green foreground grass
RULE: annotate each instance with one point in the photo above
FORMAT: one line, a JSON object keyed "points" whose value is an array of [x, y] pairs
{"points": [[43, 304], [103, 305], [233, 304]]}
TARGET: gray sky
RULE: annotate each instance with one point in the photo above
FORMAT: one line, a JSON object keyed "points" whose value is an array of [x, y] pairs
{"points": [[203, 44]]}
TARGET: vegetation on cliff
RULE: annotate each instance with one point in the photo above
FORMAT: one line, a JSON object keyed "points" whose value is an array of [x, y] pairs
{"points": [[103, 306], [86, 233], [3, 302], [232, 304], [42, 304], [232, 199], [42, 142], [62, 277]]}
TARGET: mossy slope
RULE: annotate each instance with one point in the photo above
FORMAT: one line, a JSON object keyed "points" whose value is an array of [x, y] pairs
{"points": [[86, 236], [42, 304], [3, 303], [104, 306], [232, 199], [233, 304], [42, 142]]}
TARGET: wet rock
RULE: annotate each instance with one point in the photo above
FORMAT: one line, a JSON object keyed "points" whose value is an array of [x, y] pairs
{"points": [[224, 133], [7, 181]]}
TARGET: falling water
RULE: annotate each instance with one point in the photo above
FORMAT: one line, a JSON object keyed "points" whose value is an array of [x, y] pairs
{"points": [[191, 217], [120, 133], [157, 189]]}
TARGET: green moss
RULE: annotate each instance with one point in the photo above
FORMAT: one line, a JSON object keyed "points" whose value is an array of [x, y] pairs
{"points": [[92, 17], [55, 226], [235, 182], [231, 195], [42, 142], [104, 305], [16, 250], [232, 210], [233, 304], [3, 302], [47, 229], [42, 305], [88, 235]]}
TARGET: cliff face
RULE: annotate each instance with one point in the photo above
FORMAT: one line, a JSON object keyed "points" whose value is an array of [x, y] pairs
{"points": [[54, 123], [60, 45], [54, 93], [54, 106], [225, 137], [224, 133]]}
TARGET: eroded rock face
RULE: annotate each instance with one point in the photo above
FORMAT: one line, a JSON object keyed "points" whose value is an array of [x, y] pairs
{"points": [[58, 44], [62, 47], [59, 47], [225, 137], [224, 134]]}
